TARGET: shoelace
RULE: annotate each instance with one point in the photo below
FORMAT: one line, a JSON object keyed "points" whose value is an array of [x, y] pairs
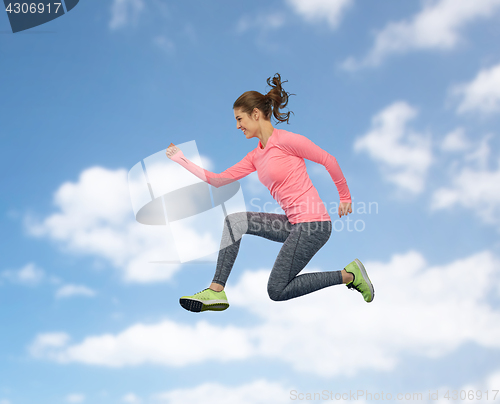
{"points": [[352, 286], [203, 291], [200, 292]]}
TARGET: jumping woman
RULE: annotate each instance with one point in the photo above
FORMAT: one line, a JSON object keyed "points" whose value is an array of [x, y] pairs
{"points": [[303, 229]]}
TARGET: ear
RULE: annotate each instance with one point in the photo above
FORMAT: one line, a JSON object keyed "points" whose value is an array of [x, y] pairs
{"points": [[256, 114]]}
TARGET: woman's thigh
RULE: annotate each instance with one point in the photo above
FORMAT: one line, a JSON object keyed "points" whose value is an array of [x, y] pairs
{"points": [[271, 226], [303, 242]]}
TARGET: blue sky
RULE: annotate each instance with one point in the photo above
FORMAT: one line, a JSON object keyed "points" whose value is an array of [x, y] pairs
{"points": [[406, 96]]}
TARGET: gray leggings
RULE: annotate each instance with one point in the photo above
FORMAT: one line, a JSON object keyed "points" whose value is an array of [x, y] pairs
{"points": [[300, 242]]}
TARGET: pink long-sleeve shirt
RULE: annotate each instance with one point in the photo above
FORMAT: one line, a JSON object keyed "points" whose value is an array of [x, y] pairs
{"points": [[281, 168]]}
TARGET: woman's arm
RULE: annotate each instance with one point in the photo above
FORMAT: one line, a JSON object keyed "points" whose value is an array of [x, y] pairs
{"points": [[234, 173]]}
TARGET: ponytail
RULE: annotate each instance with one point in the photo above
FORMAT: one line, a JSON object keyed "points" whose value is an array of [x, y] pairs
{"points": [[269, 104]]}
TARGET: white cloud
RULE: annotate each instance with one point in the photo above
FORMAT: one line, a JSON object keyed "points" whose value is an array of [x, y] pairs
{"points": [[125, 12], [75, 398], [95, 218], [473, 186], [437, 26], [455, 141], [29, 275], [483, 391], [131, 398], [257, 392], [493, 381], [4, 401], [320, 10], [481, 154], [74, 290], [418, 309], [404, 155], [45, 342], [482, 94], [142, 343]]}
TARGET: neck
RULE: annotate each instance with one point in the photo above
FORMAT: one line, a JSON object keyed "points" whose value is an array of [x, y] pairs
{"points": [[266, 131]]}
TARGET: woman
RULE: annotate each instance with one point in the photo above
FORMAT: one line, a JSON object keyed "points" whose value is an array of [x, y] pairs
{"points": [[303, 229]]}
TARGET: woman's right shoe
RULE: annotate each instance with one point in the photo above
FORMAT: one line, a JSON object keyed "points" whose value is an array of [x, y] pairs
{"points": [[207, 299], [361, 282]]}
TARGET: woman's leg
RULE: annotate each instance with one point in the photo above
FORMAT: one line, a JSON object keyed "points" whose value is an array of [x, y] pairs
{"points": [[271, 226], [304, 241]]}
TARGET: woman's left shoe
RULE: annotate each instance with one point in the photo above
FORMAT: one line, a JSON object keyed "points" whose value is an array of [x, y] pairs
{"points": [[207, 299], [361, 282]]}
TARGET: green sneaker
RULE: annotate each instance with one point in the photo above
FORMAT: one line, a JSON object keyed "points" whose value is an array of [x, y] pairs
{"points": [[361, 281], [207, 299]]}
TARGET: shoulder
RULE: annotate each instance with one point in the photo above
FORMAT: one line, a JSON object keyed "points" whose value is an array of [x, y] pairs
{"points": [[285, 137], [250, 155], [283, 133]]}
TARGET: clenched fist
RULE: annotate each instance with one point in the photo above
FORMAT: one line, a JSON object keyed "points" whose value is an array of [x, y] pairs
{"points": [[171, 150]]}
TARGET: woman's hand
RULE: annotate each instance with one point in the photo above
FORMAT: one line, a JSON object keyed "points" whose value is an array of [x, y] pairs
{"points": [[171, 150], [344, 208]]}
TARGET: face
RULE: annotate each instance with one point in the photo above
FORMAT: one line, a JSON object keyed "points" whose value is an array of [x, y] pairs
{"points": [[246, 123]]}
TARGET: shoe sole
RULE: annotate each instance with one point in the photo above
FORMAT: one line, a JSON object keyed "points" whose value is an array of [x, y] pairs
{"points": [[366, 278], [196, 306]]}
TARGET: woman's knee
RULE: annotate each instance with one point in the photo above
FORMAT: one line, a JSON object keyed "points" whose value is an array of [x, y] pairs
{"points": [[237, 222], [275, 293], [236, 216]]}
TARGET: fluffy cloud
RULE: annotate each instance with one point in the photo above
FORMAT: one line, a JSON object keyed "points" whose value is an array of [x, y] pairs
{"points": [[482, 94], [124, 12], [312, 11], [455, 141], [94, 217], [473, 186], [436, 26], [404, 155], [318, 10], [418, 309], [263, 391], [131, 398], [74, 290], [75, 398], [257, 392], [144, 343], [45, 342], [483, 391], [30, 275]]}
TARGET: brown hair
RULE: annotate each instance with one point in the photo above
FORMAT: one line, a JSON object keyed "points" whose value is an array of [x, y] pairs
{"points": [[271, 103]]}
